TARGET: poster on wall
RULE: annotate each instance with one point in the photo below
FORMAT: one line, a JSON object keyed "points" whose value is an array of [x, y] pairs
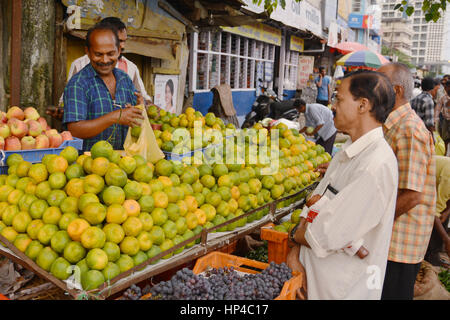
{"points": [[268, 71], [305, 69], [166, 88]]}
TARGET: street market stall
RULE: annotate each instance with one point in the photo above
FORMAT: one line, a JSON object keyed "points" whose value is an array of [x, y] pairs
{"points": [[97, 223]]}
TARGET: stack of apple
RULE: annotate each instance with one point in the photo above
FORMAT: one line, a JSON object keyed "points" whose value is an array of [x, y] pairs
{"points": [[26, 130]]}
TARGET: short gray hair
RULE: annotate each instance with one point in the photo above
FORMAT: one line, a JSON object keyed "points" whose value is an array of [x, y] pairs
{"points": [[402, 76]]}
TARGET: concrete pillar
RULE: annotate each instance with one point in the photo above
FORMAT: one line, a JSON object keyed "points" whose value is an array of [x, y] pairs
{"points": [[38, 40]]}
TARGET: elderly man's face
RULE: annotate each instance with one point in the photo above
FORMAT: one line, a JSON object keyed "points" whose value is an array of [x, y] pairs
{"points": [[345, 108], [103, 52]]}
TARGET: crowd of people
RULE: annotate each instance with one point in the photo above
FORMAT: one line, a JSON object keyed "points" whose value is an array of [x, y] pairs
{"points": [[383, 203], [386, 192]]}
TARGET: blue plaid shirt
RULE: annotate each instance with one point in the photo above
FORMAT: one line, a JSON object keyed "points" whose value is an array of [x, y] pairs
{"points": [[86, 97]]}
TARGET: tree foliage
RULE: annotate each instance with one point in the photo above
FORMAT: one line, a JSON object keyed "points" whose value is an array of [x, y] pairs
{"points": [[433, 9]]}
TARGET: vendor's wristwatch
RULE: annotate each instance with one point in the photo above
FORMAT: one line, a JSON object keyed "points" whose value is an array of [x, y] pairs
{"points": [[292, 233]]}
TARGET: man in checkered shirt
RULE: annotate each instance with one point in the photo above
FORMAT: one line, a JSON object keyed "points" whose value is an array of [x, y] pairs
{"points": [[413, 146], [423, 104], [98, 100]]}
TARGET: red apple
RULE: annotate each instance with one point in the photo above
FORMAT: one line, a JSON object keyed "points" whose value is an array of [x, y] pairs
{"points": [[5, 131], [12, 144], [50, 132], [2, 143], [18, 128], [28, 143], [42, 142], [34, 128], [15, 112], [43, 123], [66, 135], [3, 117], [55, 140], [31, 113]]}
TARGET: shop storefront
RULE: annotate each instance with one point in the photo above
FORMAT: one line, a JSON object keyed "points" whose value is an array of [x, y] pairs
{"points": [[237, 56]]}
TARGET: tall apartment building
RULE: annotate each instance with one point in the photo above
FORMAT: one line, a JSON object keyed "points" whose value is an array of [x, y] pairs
{"points": [[421, 40], [397, 29], [428, 39]]}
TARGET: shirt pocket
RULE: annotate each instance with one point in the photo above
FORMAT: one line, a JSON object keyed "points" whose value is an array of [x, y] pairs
{"points": [[351, 271]]}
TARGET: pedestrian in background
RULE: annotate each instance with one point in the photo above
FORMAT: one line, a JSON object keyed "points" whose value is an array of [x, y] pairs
{"points": [[320, 118], [323, 83], [413, 146], [439, 236], [442, 116], [423, 104]]}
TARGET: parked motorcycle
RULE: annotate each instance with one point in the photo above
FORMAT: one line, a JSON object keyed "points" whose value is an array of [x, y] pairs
{"points": [[267, 105]]}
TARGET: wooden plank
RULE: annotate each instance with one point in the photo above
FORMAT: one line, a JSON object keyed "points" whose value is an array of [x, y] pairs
{"points": [[59, 57], [16, 50], [29, 293], [165, 71]]}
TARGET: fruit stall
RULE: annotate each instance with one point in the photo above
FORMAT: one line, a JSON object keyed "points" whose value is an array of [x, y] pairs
{"points": [[97, 223]]}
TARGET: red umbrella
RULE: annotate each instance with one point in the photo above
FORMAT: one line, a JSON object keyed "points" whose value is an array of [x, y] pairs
{"points": [[347, 47]]}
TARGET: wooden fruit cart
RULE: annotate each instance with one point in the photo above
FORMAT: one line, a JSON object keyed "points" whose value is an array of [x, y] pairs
{"points": [[208, 242]]}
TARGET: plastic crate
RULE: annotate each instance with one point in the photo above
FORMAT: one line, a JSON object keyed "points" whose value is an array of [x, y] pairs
{"points": [[2, 297], [277, 243], [36, 155], [219, 260]]}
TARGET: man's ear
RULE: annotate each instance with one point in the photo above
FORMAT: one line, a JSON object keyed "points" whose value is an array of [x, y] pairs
{"points": [[364, 105], [86, 50], [399, 91]]}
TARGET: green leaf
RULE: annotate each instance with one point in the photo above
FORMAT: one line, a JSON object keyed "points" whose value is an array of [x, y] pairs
{"points": [[397, 6], [409, 10]]}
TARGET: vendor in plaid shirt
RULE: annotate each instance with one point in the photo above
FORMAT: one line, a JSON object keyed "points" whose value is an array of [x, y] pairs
{"points": [[413, 146], [98, 100], [423, 104]]}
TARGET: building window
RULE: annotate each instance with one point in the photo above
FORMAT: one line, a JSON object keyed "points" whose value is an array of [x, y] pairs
{"points": [[290, 70], [229, 59], [356, 5]]}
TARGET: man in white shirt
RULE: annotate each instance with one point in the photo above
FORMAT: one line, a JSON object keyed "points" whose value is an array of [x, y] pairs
{"points": [[123, 63], [357, 199], [320, 118]]}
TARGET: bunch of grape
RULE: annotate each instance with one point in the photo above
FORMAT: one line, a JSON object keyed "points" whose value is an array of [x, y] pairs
{"points": [[224, 284], [132, 293]]}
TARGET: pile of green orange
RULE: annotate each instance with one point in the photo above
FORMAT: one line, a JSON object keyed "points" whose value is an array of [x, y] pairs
{"points": [[105, 213], [287, 226], [177, 131]]}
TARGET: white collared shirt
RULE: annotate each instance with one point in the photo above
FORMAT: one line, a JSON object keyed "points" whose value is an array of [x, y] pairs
{"points": [[132, 71], [365, 174]]}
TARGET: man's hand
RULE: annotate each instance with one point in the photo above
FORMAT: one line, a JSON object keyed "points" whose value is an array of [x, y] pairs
{"points": [[322, 168], [140, 98], [55, 112], [131, 116], [293, 262]]}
